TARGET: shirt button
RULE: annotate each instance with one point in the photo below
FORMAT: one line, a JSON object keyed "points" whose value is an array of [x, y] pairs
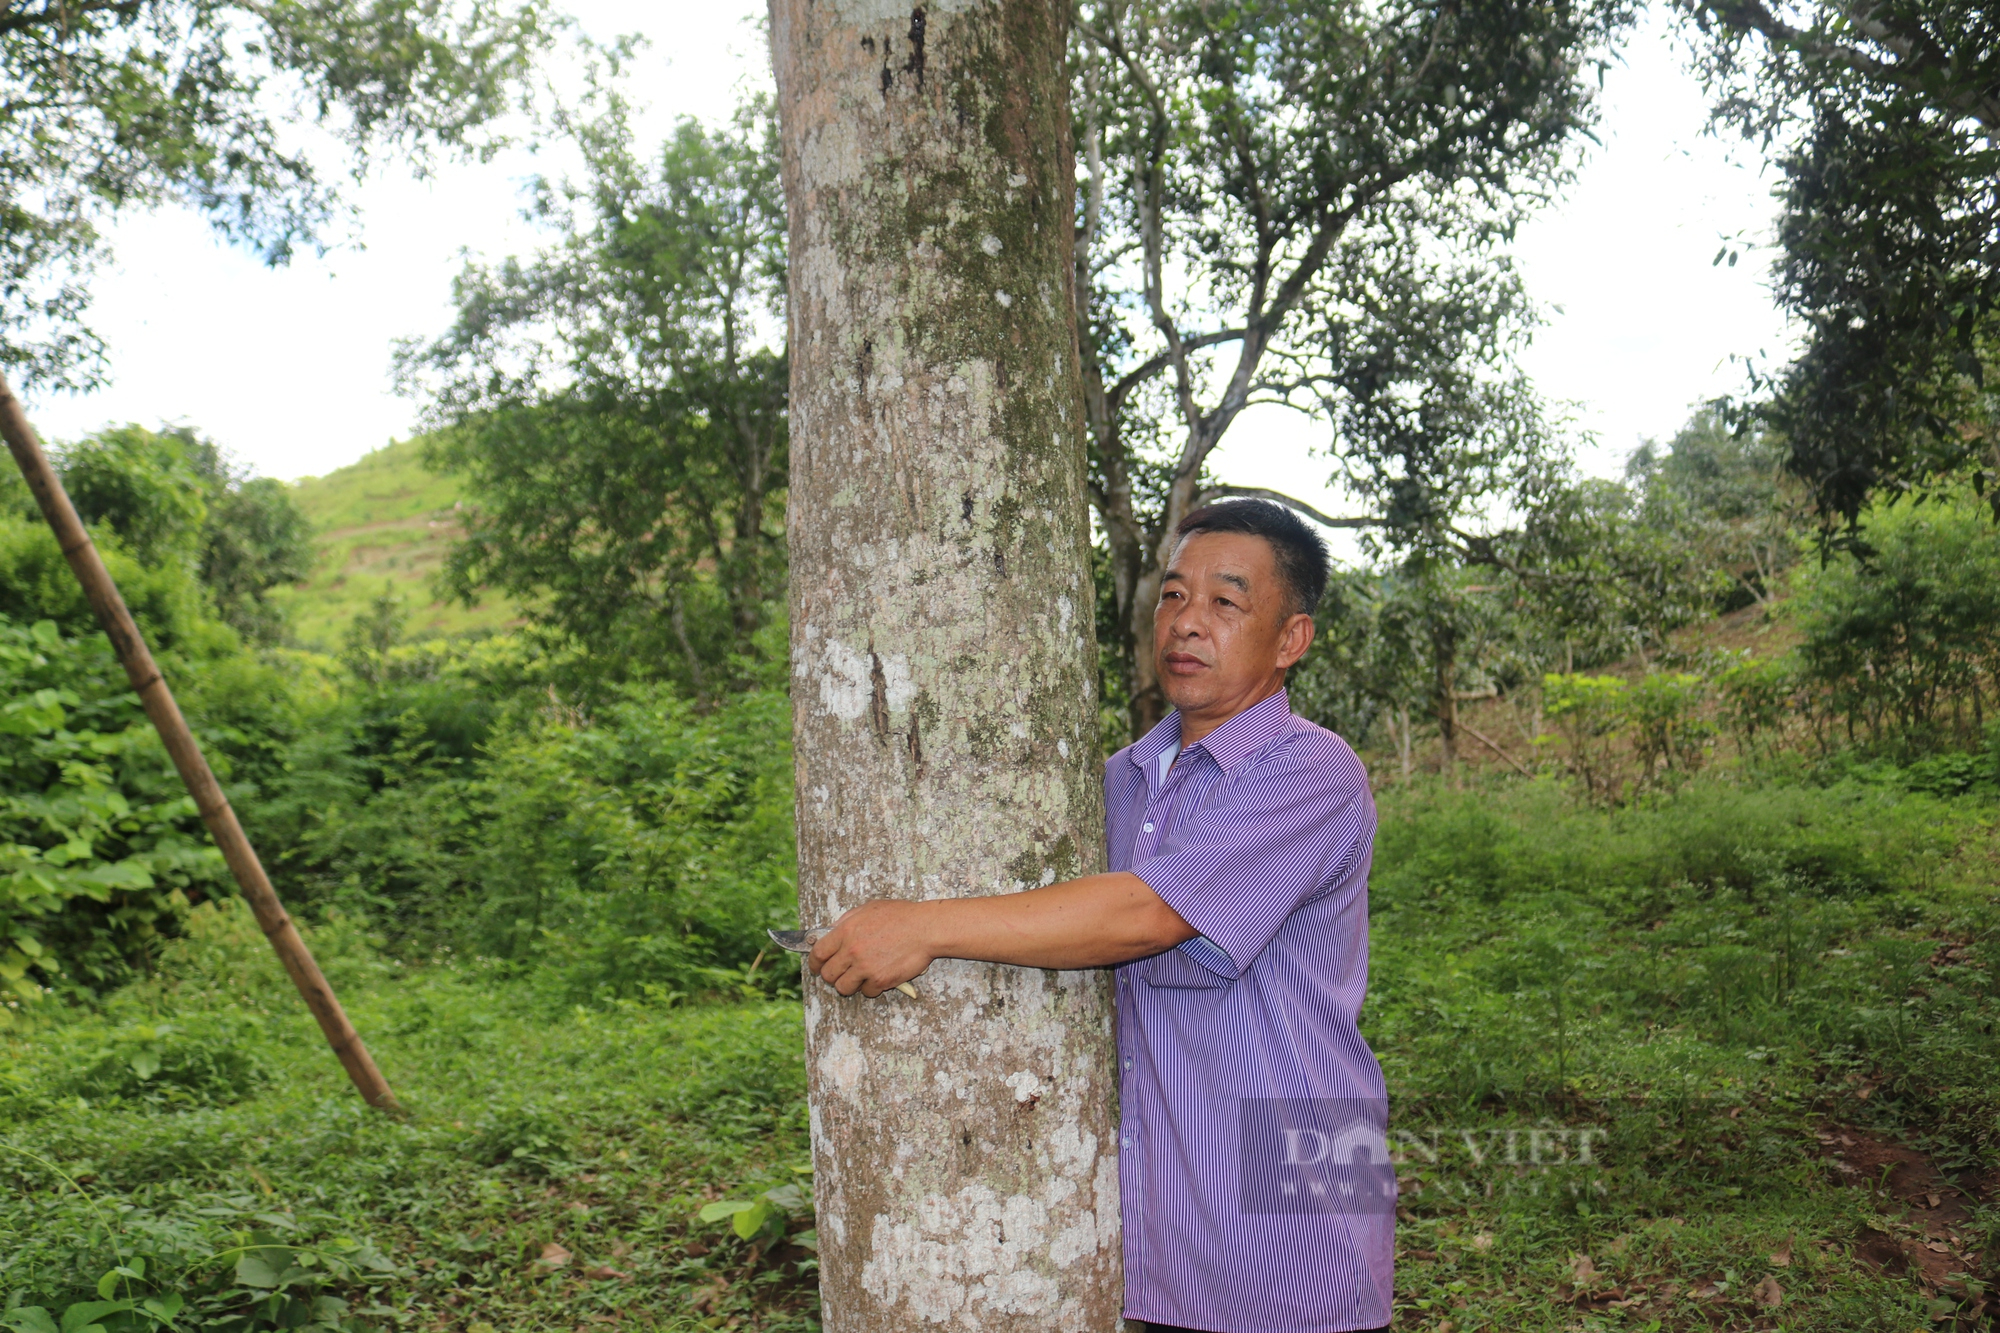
{"points": [[1125, 1142], [1149, 828], [1128, 1064]]}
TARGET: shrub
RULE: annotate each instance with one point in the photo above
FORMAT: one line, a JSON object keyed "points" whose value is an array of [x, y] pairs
{"points": [[169, 1065], [101, 850], [1907, 641]]}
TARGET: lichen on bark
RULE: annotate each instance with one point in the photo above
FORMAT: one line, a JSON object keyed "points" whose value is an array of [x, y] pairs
{"points": [[943, 654]]}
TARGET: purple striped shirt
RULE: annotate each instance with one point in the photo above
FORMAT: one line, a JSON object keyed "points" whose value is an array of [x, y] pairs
{"points": [[1259, 835]]}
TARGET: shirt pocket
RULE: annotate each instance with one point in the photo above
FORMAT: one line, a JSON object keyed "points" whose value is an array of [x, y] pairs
{"points": [[1174, 970]]}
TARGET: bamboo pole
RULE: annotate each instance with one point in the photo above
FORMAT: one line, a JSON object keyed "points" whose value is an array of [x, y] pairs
{"points": [[216, 812]]}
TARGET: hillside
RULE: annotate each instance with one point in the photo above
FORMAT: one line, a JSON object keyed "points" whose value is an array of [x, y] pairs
{"points": [[383, 522]]}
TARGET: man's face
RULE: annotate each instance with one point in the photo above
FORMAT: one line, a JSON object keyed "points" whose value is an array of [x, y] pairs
{"points": [[1225, 630]]}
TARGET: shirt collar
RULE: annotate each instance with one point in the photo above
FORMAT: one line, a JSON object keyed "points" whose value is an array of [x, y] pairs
{"points": [[1242, 736], [1146, 751], [1249, 732]]}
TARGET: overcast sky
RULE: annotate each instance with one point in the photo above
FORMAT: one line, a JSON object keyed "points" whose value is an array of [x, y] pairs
{"points": [[289, 368]]}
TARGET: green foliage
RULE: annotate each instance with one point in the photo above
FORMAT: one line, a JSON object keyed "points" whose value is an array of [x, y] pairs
{"points": [[385, 519], [552, 1163], [174, 501], [1589, 713], [617, 407], [167, 600], [1888, 134], [119, 107], [1907, 643], [1669, 735], [1698, 979], [170, 1065], [1757, 693], [1723, 494], [643, 846], [102, 847], [765, 1217], [143, 487], [1296, 202]]}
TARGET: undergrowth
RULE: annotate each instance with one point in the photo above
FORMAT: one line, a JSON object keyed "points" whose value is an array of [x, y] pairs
{"points": [[1612, 1038]]}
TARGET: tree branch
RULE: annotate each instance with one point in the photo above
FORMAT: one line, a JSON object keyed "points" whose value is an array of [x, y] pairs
{"points": [[1214, 493], [1921, 66]]}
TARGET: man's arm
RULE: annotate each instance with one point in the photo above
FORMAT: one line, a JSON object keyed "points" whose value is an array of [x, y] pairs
{"points": [[1090, 922]]}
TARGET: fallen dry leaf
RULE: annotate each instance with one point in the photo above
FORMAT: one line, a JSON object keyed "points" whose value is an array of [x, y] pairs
{"points": [[1782, 1256], [1618, 1246], [603, 1271], [554, 1255], [1483, 1241], [1581, 1270], [704, 1298], [1932, 1200], [1769, 1294]]}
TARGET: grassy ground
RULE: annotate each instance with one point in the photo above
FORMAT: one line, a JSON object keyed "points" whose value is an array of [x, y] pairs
{"points": [[383, 522], [1718, 1060]]}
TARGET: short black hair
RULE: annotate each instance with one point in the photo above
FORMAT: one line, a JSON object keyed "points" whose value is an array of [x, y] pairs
{"points": [[1300, 551]]}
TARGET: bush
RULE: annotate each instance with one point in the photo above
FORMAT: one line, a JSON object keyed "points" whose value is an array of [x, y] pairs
{"points": [[169, 1065], [1906, 642], [101, 849], [644, 849], [1521, 840]]}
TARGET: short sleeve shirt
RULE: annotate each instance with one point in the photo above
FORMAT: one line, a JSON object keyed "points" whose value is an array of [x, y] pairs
{"points": [[1259, 835]]}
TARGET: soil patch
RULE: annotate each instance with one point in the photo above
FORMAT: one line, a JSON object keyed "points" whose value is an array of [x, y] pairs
{"points": [[1929, 1239]]}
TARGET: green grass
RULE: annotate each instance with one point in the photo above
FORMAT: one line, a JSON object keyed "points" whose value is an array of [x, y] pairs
{"points": [[1704, 985], [551, 1166], [383, 522]]}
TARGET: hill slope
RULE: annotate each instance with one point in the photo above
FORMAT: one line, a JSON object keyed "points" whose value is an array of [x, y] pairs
{"points": [[383, 522]]}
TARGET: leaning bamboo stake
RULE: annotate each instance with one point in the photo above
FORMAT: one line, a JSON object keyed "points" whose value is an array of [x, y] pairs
{"points": [[186, 751]]}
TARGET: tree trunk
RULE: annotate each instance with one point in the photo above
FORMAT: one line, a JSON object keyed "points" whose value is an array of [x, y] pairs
{"points": [[1444, 694], [944, 674]]}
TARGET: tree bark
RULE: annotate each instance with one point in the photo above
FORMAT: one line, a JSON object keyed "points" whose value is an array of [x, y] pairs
{"points": [[943, 657]]}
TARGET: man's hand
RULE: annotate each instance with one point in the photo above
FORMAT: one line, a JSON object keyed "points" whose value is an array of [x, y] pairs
{"points": [[874, 948], [1095, 921]]}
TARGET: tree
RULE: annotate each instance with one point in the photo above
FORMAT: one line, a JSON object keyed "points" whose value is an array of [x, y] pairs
{"points": [[1905, 641], [943, 694], [113, 105], [1888, 123], [617, 405], [1725, 495], [175, 498], [1258, 171]]}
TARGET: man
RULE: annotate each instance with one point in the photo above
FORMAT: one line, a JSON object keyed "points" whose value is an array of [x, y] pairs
{"points": [[1253, 1179]]}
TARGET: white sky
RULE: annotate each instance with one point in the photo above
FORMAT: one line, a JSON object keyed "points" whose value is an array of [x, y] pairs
{"points": [[289, 368]]}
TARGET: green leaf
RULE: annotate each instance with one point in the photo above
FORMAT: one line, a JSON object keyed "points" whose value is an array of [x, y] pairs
{"points": [[752, 1219], [808, 1239], [789, 1197], [78, 1317], [715, 1212], [108, 1284], [165, 1307], [145, 1064], [29, 1319], [252, 1270]]}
